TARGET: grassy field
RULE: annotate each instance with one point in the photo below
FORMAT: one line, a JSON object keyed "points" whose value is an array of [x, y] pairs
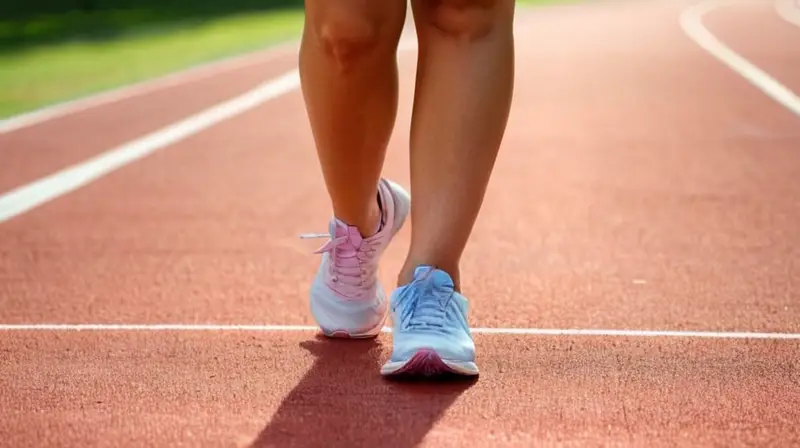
{"points": [[52, 58], [62, 70]]}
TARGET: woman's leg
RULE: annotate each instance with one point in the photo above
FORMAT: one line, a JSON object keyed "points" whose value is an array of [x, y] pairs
{"points": [[463, 96], [348, 70]]}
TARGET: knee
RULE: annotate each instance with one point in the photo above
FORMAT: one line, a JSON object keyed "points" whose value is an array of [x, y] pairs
{"points": [[349, 34], [468, 19], [348, 38]]}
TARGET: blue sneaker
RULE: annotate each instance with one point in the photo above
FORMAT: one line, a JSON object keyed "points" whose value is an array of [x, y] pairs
{"points": [[429, 328]]}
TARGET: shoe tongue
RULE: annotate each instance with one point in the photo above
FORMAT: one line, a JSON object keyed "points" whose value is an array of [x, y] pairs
{"points": [[340, 229], [440, 279]]}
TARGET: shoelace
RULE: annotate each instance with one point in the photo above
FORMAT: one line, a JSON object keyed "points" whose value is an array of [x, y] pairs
{"points": [[346, 265], [423, 307]]}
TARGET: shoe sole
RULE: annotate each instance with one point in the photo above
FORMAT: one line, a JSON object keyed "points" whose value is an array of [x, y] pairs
{"points": [[428, 363], [367, 334]]}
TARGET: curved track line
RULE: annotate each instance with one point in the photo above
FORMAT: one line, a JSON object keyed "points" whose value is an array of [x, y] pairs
{"points": [[66, 180], [303, 328], [194, 73], [691, 21], [789, 10], [43, 190]]}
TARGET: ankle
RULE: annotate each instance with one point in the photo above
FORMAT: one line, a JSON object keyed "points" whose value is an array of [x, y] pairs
{"points": [[372, 223], [368, 222], [406, 274]]}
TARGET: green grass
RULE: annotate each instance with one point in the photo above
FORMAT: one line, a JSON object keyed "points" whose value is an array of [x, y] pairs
{"points": [[49, 58], [52, 72]]}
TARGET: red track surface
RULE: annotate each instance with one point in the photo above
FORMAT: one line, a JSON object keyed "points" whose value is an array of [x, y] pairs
{"points": [[642, 185]]}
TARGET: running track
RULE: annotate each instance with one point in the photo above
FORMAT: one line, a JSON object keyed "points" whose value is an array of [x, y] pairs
{"points": [[643, 185]]}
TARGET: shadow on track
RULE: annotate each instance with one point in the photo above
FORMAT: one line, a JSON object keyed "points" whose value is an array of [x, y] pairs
{"points": [[344, 401]]}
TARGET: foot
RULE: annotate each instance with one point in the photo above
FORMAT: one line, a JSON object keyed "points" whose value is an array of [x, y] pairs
{"points": [[347, 299], [429, 328]]}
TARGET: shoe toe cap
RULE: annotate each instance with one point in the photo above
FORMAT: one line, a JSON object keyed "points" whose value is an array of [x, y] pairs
{"points": [[449, 347]]}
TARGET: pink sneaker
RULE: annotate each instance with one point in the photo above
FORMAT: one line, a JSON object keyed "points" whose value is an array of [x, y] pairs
{"points": [[347, 299]]}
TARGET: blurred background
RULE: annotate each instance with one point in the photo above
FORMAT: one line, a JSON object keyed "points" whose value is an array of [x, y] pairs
{"points": [[57, 50]]}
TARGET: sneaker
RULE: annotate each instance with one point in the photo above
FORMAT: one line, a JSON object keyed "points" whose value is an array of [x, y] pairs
{"points": [[429, 328], [347, 299]]}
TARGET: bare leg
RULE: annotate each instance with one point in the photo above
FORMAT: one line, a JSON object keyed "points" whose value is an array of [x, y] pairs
{"points": [[462, 100], [348, 69]]}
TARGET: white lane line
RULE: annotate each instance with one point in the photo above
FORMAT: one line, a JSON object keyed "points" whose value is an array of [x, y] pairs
{"points": [[789, 10], [691, 21], [26, 197], [191, 74], [310, 328], [34, 194]]}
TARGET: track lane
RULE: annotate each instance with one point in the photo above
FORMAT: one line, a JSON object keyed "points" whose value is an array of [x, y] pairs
{"points": [[260, 390], [36, 151], [193, 232], [643, 184], [621, 224]]}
